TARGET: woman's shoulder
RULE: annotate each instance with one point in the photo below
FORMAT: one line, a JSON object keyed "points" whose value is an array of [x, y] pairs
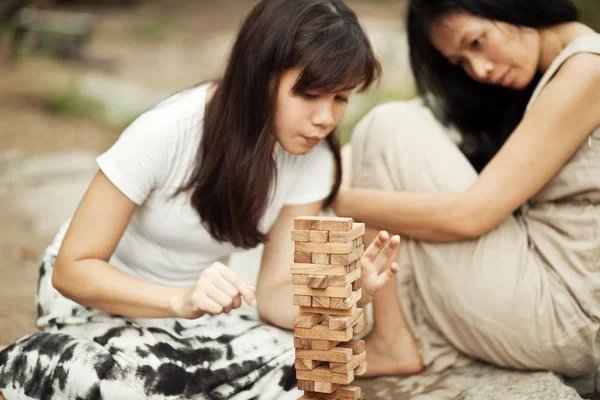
{"points": [[583, 51], [578, 62], [180, 114], [185, 104]]}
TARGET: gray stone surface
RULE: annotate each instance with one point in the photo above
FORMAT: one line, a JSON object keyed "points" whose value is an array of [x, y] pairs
{"points": [[585, 385], [474, 382]]}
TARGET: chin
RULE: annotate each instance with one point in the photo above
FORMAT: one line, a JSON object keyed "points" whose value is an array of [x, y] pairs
{"points": [[296, 150]]}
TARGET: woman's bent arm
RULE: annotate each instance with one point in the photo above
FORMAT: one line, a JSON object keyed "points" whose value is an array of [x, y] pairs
{"points": [[82, 272], [433, 216], [561, 118], [274, 289]]}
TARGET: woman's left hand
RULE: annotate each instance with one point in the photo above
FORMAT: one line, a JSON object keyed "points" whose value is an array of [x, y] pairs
{"points": [[379, 265]]}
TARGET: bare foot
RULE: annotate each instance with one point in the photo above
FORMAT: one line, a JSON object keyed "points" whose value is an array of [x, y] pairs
{"points": [[395, 354]]}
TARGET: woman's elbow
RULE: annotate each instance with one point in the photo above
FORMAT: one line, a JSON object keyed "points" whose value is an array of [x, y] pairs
{"points": [[473, 227], [61, 281]]}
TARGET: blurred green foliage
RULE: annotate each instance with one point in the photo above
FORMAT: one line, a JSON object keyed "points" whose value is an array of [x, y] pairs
{"points": [[71, 102], [590, 12]]}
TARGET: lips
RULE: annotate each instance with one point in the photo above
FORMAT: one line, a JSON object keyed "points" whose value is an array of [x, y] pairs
{"points": [[505, 80], [313, 140]]}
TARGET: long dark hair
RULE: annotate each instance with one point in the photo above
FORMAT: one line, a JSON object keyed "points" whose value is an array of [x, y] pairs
{"points": [[486, 115], [235, 166]]}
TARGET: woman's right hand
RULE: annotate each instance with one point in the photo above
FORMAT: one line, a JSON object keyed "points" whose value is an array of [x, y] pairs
{"points": [[218, 290]]}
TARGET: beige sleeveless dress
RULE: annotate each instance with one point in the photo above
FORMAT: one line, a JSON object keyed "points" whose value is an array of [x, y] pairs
{"points": [[525, 295]]}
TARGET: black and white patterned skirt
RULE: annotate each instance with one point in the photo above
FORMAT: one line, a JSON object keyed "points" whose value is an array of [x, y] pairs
{"points": [[83, 353]]}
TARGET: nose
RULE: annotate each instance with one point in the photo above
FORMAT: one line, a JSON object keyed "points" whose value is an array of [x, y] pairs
{"points": [[323, 114], [481, 68]]}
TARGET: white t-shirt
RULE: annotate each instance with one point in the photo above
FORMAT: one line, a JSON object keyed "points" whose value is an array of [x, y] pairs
{"points": [[165, 241]]}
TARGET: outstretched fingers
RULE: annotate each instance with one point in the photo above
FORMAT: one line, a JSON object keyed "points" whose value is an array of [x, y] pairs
{"points": [[382, 251], [389, 253], [388, 274], [376, 246]]}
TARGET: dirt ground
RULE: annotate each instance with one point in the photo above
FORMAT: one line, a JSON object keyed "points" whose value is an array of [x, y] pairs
{"points": [[46, 159]]}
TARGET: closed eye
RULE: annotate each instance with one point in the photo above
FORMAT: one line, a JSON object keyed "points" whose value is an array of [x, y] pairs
{"points": [[310, 96]]}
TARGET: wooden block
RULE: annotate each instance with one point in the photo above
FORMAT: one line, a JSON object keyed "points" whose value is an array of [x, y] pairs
{"points": [[360, 241], [323, 224], [357, 284], [326, 387], [342, 368], [303, 223], [305, 301], [341, 323], [348, 393], [304, 344], [332, 280], [324, 345], [360, 324], [322, 374], [318, 387], [307, 365], [318, 236], [302, 257], [340, 292], [358, 230], [322, 332], [300, 236], [335, 355], [346, 259], [353, 266], [318, 269], [321, 302], [329, 311], [361, 369], [327, 248], [317, 281], [342, 393], [299, 279], [306, 320], [344, 280], [321, 258], [357, 346], [344, 304], [308, 386]]}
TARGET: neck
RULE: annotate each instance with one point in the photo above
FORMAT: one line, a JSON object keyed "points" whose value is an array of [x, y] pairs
{"points": [[554, 39]]}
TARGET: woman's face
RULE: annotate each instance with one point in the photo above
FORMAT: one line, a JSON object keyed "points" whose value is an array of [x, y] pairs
{"points": [[303, 120], [490, 52]]}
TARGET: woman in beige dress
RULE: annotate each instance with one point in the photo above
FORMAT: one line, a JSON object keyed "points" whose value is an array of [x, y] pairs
{"points": [[500, 259]]}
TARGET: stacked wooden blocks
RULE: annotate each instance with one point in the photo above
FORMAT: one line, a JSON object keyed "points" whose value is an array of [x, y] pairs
{"points": [[327, 288]]}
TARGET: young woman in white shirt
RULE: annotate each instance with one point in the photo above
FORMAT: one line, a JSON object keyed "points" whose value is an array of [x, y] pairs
{"points": [[135, 299]]}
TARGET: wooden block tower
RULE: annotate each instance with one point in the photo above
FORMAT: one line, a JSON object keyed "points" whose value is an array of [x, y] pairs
{"points": [[327, 287]]}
